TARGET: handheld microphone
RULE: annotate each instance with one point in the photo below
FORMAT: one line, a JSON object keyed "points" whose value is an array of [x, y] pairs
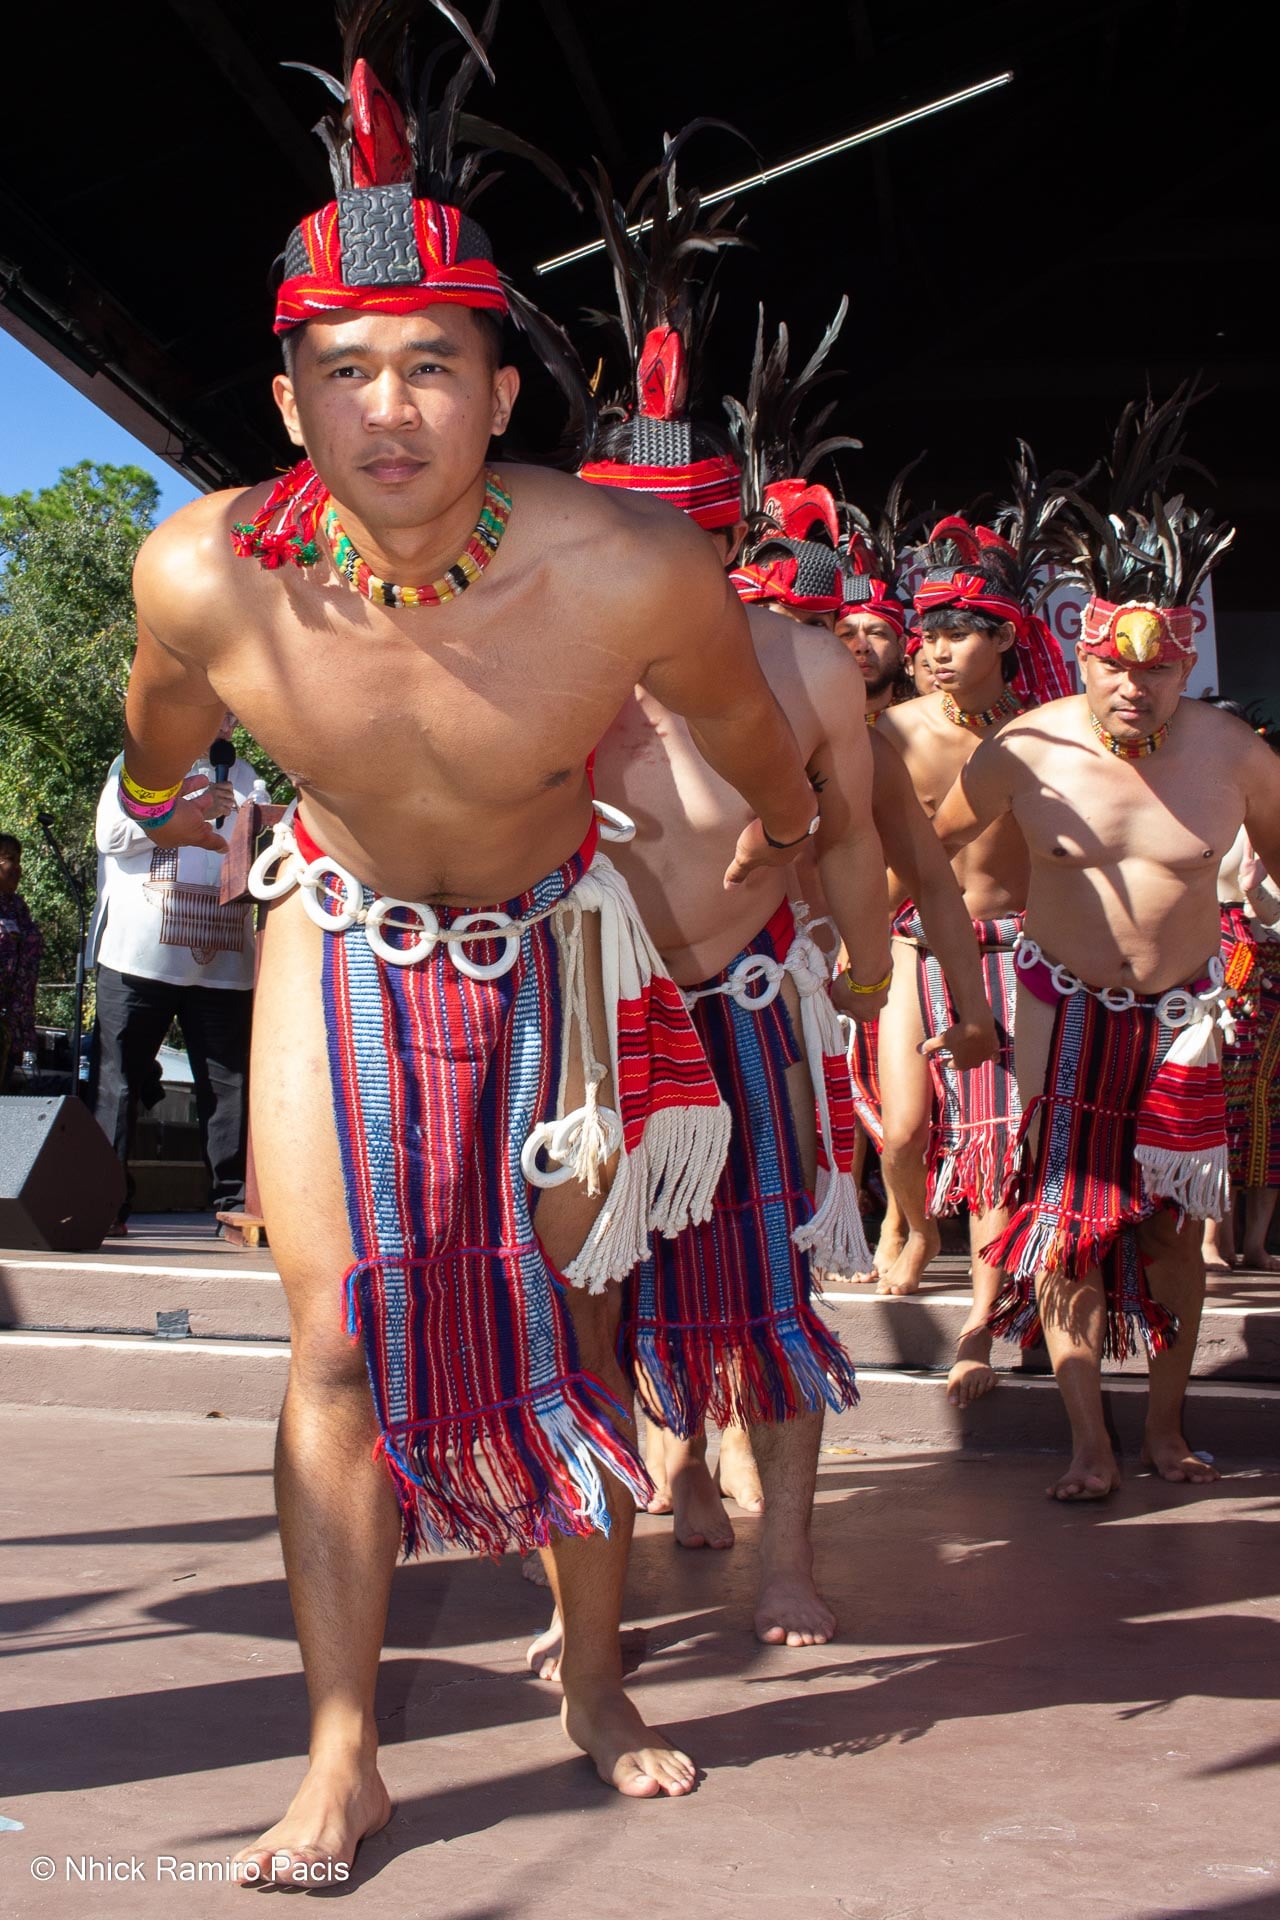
{"points": [[222, 757]]}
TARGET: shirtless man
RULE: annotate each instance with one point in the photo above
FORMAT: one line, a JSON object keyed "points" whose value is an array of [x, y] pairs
{"points": [[967, 647], [440, 752], [1127, 797], [877, 649]]}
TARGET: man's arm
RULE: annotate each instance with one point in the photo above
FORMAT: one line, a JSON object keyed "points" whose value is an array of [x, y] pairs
{"points": [[979, 797], [171, 711], [851, 864], [914, 851], [1262, 804], [708, 673]]}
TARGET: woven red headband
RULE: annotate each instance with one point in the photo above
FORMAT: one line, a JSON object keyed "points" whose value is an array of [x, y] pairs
{"points": [[333, 267], [971, 590], [1042, 672], [1137, 633], [873, 597], [707, 490]]}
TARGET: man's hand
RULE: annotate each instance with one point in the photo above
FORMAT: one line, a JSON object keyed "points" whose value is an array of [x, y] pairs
{"points": [[753, 852], [1252, 870], [967, 1044], [862, 1007], [188, 826]]}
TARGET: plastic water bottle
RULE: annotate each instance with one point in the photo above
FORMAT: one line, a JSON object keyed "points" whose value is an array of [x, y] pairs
{"points": [[261, 794]]}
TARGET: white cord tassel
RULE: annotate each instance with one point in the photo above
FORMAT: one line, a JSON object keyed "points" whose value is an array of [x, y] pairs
{"points": [[834, 1235]]}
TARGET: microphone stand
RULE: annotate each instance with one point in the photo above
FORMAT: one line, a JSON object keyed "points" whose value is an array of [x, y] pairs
{"points": [[77, 894]]}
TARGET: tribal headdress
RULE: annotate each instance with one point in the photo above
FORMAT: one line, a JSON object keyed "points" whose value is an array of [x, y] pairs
{"points": [[664, 248], [398, 236], [999, 571], [871, 550], [1145, 560], [792, 554]]}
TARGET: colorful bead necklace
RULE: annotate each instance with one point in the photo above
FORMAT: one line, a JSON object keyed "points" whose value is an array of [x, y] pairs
{"points": [[1004, 709], [464, 572], [1129, 749]]}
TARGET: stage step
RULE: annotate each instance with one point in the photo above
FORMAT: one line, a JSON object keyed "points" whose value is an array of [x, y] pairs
{"points": [[227, 1295], [246, 1378]]}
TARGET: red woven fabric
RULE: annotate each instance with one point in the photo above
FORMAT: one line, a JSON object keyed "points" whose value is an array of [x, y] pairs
{"points": [[1251, 1062], [447, 281], [708, 490]]}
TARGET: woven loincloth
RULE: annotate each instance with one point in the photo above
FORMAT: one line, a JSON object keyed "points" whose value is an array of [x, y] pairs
{"points": [[1251, 1062], [864, 1075], [719, 1320], [1131, 1118], [448, 1078], [975, 1113]]}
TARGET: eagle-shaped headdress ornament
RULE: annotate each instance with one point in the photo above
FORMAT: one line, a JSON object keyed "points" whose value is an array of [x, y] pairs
{"points": [[792, 553], [1146, 556]]}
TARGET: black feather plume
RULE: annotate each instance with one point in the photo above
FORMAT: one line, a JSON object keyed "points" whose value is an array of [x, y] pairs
{"points": [[771, 442]]}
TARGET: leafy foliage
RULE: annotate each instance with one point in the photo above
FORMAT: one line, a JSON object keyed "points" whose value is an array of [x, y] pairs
{"points": [[66, 641]]}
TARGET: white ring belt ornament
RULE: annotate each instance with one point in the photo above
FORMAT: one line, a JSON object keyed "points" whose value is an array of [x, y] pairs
{"points": [[1064, 981], [417, 949], [542, 1136], [1027, 955], [560, 1138], [757, 966], [613, 823], [493, 930], [311, 880], [1178, 1008], [1118, 999], [279, 850]]}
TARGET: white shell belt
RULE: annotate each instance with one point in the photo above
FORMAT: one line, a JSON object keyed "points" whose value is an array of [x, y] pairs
{"points": [[1176, 1008], [280, 867]]}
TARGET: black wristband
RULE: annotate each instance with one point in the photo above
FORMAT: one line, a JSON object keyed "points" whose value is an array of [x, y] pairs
{"points": [[781, 846]]}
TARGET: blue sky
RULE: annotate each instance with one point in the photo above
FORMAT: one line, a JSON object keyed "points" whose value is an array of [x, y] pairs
{"points": [[46, 425]]}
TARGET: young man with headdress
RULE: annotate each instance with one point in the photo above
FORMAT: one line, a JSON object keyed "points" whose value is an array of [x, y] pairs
{"points": [[437, 1050], [718, 1320], [948, 1132], [1127, 797]]}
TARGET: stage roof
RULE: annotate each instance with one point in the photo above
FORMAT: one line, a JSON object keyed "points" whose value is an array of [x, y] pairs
{"points": [[1016, 265]]}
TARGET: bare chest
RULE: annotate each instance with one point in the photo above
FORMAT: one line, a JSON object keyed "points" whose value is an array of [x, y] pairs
{"points": [[488, 702], [1103, 816], [935, 759]]}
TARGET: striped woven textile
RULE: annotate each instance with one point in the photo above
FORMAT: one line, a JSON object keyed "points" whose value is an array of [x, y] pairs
{"points": [[1251, 1062], [1084, 1194], [718, 1321], [493, 1433], [864, 1073], [976, 1113]]}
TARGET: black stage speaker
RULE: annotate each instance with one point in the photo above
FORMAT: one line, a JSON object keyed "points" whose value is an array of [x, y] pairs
{"points": [[61, 1185]]}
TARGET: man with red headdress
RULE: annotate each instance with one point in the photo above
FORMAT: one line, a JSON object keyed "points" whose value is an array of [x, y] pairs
{"points": [[433, 651], [1127, 797], [948, 1132]]}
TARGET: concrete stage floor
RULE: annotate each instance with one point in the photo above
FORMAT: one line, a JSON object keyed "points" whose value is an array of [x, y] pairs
{"points": [[1030, 1710]]}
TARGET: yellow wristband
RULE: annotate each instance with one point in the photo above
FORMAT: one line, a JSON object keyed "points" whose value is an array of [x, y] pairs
{"points": [[147, 796], [854, 986]]}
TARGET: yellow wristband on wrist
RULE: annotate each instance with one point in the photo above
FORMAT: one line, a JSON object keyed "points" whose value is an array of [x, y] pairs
{"points": [[147, 796], [857, 986]]}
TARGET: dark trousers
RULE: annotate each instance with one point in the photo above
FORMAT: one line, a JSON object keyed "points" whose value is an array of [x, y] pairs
{"points": [[133, 1017]]}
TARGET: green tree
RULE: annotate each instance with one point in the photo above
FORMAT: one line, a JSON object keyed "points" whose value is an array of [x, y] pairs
{"points": [[66, 640]]}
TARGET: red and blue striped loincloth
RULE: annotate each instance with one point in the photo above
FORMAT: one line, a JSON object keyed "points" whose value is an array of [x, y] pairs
{"points": [[975, 1113], [1251, 1061], [1124, 1128], [719, 1319], [493, 1433], [864, 1075]]}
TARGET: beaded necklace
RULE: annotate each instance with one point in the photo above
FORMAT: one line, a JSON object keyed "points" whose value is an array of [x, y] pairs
{"points": [[1004, 709], [464, 572], [1129, 749]]}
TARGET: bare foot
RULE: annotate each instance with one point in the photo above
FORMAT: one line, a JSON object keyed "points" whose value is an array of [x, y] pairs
{"points": [[888, 1248], [737, 1475], [532, 1570], [791, 1612], [971, 1377], [1169, 1455], [1258, 1260], [1092, 1475], [655, 1459], [635, 1759], [337, 1806], [546, 1649], [1214, 1262], [908, 1269], [700, 1519]]}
